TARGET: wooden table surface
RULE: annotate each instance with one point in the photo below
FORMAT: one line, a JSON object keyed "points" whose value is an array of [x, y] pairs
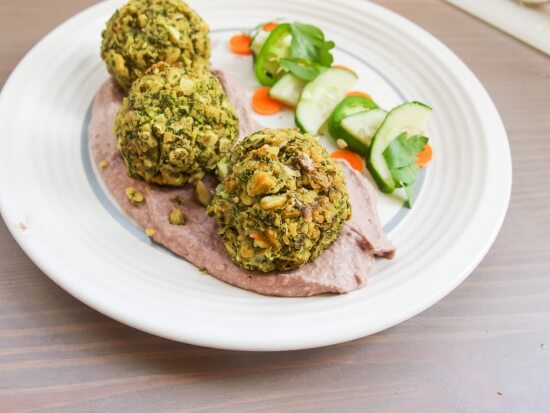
{"points": [[484, 348]]}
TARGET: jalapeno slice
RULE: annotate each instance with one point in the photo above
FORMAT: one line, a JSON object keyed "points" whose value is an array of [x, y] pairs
{"points": [[267, 66]]}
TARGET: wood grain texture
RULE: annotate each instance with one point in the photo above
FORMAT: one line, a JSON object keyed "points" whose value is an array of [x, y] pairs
{"points": [[484, 348]]}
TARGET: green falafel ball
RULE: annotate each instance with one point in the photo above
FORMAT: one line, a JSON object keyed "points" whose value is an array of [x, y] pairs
{"points": [[175, 125], [145, 32], [283, 202]]}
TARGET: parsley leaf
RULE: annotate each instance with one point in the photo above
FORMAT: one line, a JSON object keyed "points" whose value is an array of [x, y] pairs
{"points": [[302, 70], [409, 191], [309, 44], [405, 175], [400, 156]]}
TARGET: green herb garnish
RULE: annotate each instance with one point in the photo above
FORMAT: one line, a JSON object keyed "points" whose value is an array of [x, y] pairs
{"points": [[308, 51], [400, 156], [309, 44], [303, 70]]}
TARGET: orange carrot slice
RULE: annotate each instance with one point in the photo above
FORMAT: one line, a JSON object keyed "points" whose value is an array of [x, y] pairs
{"points": [[240, 44], [343, 68], [264, 104], [354, 159], [358, 93], [269, 26], [424, 157]]}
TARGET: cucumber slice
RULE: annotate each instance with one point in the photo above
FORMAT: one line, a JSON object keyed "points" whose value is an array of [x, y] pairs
{"points": [[361, 127], [320, 97], [347, 107], [410, 118], [288, 89]]}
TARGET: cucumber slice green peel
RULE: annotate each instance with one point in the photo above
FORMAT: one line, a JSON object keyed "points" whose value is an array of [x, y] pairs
{"points": [[321, 96], [350, 105], [409, 119]]}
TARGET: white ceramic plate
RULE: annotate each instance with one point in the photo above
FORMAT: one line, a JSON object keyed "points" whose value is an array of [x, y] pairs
{"points": [[58, 212]]}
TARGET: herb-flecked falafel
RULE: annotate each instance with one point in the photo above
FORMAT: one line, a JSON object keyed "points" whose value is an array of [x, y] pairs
{"points": [[283, 202], [144, 32], [175, 125]]}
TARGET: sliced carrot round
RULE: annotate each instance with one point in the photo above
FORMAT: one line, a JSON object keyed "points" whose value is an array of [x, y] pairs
{"points": [[424, 157], [358, 93], [264, 104], [269, 26], [240, 44], [354, 159], [343, 68]]}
